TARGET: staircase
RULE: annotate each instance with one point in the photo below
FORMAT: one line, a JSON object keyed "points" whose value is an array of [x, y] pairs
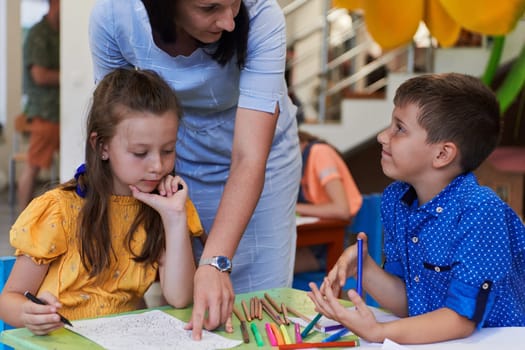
{"points": [[345, 83]]}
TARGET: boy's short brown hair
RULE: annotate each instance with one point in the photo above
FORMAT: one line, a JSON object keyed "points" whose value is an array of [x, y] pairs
{"points": [[458, 108]]}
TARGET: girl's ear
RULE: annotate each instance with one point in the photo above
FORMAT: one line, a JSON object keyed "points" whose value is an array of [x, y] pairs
{"points": [[447, 154], [102, 148]]}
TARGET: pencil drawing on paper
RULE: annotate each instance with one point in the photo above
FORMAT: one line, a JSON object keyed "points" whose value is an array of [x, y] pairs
{"points": [[149, 330]]}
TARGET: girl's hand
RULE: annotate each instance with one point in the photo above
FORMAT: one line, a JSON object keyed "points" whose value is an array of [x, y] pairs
{"points": [[361, 320], [345, 267], [42, 319], [171, 197]]}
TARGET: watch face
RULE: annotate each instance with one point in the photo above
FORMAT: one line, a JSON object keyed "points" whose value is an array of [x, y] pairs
{"points": [[223, 263]]}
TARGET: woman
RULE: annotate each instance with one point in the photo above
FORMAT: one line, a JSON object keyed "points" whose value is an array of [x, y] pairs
{"points": [[237, 144]]}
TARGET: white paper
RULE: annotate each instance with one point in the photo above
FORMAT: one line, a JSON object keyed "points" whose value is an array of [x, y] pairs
{"points": [[302, 220], [155, 330]]}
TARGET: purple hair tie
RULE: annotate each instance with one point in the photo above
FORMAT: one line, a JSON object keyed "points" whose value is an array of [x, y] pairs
{"points": [[80, 171]]}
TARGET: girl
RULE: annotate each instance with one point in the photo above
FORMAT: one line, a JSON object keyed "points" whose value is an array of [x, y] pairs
{"points": [[95, 244], [327, 190]]}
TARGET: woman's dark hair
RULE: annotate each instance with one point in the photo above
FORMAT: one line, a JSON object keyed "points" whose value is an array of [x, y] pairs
{"points": [[161, 14]]}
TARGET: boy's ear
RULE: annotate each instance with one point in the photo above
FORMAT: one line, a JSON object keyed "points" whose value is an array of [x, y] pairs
{"points": [[446, 154]]}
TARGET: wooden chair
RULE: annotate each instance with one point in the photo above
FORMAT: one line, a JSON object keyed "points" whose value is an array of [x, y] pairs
{"points": [[6, 265]]}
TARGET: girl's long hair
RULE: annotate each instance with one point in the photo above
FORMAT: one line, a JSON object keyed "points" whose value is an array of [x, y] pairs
{"points": [[119, 92], [235, 43]]}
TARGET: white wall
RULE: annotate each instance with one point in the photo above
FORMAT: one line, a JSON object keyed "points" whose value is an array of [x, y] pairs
{"points": [[10, 73], [76, 83]]}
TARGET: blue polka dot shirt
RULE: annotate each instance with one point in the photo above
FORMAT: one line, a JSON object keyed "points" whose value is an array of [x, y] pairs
{"points": [[464, 250]]}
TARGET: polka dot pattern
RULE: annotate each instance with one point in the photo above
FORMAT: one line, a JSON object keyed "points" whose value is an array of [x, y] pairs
{"points": [[464, 249]]}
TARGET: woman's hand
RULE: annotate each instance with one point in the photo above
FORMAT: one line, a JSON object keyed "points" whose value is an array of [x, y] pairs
{"points": [[42, 319], [345, 267], [212, 301]]}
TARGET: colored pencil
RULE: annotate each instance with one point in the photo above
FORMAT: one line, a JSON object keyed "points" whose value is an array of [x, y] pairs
{"points": [[244, 331], [272, 302], [285, 334], [36, 300], [310, 325], [271, 336], [285, 313], [301, 316], [277, 333], [256, 334], [271, 312], [335, 336], [337, 344], [298, 338], [245, 309]]}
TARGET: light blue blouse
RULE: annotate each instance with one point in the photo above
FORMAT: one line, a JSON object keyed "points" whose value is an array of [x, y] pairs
{"points": [[121, 36]]}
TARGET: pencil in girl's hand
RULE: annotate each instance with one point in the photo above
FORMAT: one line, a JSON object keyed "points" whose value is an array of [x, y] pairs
{"points": [[36, 300]]}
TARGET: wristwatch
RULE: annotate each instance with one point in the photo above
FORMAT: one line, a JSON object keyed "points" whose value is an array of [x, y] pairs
{"points": [[221, 263]]}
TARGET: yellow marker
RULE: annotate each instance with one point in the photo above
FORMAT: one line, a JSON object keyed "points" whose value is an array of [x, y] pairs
{"points": [[285, 334]]}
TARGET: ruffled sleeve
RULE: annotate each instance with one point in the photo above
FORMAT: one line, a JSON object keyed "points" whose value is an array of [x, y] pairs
{"points": [[194, 222], [39, 231]]}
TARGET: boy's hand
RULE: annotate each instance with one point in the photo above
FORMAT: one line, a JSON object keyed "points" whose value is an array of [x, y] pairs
{"points": [[42, 319], [361, 320], [345, 267]]}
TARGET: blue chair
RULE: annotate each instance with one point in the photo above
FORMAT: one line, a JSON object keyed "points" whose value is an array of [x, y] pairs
{"points": [[367, 220], [6, 265]]}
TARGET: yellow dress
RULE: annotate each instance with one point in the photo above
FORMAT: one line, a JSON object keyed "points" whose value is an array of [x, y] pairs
{"points": [[46, 232]]}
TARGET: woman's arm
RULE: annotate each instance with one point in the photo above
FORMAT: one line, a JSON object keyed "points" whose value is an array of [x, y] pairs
{"points": [[16, 310], [252, 142]]}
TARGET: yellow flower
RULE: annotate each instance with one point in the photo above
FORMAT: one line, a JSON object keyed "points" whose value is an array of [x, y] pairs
{"points": [[394, 23]]}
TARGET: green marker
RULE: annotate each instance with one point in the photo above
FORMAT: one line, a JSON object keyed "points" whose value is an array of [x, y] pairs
{"points": [[256, 335]]}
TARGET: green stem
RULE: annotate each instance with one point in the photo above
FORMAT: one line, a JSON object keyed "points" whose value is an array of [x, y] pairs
{"points": [[494, 59], [513, 83]]}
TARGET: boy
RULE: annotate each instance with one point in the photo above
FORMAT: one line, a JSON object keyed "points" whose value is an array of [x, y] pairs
{"points": [[454, 251]]}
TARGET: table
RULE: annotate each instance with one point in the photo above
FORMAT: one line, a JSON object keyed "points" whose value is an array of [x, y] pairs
{"points": [[63, 339], [330, 232], [511, 338]]}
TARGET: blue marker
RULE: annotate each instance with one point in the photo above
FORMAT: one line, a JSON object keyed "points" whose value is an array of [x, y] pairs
{"points": [[360, 267], [335, 336]]}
